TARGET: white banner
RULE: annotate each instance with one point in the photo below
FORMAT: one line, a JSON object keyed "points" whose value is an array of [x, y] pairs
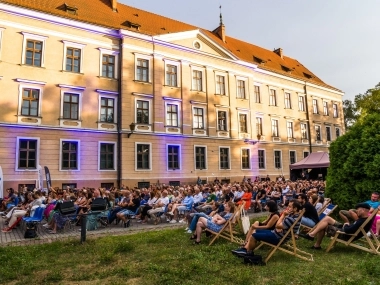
{"points": [[40, 178]]}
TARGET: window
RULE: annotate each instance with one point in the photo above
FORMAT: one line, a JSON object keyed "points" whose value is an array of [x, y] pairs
{"points": [[220, 85], [304, 135], [224, 158], [27, 153], [289, 126], [198, 120], [142, 70], [275, 128], [222, 121], [241, 89], [108, 66], [71, 106], [337, 132], [142, 112], [30, 102], [315, 106], [69, 155], [325, 108], [107, 156], [143, 156], [197, 80], [73, 59], [200, 157], [107, 110], [171, 75], [277, 159], [245, 158], [259, 126], [173, 157], [328, 134], [305, 154], [272, 97], [107, 185], [335, 110], [288, 103], [261, 154], [301, 103], [318, 133], [243, 123], [257, 94], [33, 53], [292, 156], [172, 115]]}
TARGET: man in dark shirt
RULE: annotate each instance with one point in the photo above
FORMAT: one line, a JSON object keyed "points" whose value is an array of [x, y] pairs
{"points": [[310, 217], [319, 231]]}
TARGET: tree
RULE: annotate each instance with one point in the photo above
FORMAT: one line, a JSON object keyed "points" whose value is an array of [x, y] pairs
{"points": [[355, 163], [368, 102], [350, 113]]}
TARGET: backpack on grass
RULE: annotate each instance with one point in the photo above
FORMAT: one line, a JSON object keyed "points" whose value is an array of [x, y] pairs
{"points": [[254, 260]]}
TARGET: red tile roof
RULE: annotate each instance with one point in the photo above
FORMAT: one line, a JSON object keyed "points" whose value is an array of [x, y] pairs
{"points": [[99, 12]]}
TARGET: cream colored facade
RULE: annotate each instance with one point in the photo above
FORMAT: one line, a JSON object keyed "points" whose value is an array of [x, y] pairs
{"points": [[181, 116]]}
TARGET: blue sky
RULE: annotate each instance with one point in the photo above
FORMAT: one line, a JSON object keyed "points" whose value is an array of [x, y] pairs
{"points": [[336, 39]]}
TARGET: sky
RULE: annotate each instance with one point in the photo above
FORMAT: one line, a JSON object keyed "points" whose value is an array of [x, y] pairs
{"points": [[338, 40]]}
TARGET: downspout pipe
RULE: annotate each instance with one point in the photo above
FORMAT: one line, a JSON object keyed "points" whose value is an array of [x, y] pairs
{"points": [[308, 118], [119, 110]]}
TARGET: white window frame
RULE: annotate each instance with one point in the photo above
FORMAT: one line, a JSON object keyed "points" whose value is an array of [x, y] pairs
{"points": [[1, 40], [225, 76], [325, 110], [306, 131], [80, 95], [203, 71], [315, 106], [295, 156], [68, 44], [275, 97], [247, 121], [303, 103], [249, 158], [149, 58], [320, 132], [328, 127], [28, 36], [258, 159], [178, 65], [179, 157], [178, 104], [308, 153], [229, 158], [114, 155], [18, 151], [274, 158], [254, 93], [115, 53], [335, 111], [287, 129], [150, 156], [246, 91], [148, 99], [114, 97], [78, 154], [290, 100], [37, 86], [195, 157], [340, 134], [217, 119], [204, 117], [278, 128]]}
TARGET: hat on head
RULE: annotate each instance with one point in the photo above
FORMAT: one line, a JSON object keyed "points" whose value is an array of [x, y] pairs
{"points": [[363, 205]]}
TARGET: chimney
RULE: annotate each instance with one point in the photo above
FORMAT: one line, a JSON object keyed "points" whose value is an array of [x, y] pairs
{"points": [[279, 52], [114, 5]]}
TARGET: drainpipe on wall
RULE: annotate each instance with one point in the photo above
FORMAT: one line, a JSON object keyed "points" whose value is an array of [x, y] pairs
{"points": [[119, 152], [308, 118]]}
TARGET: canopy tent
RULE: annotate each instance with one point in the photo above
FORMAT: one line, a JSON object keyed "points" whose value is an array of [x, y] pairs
{"points": [[313, 166]]}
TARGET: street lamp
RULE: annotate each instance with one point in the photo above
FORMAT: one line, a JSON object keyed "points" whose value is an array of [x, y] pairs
{"points": [[132, 127]]}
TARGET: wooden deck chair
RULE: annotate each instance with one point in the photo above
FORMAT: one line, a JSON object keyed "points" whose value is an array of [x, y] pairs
{"points": [[327, 212], [228, 232], [324, 206], [367, 243], [288, 246]]}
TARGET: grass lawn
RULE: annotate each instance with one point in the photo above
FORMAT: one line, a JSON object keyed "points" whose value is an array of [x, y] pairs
{"points": [[169, 257]]}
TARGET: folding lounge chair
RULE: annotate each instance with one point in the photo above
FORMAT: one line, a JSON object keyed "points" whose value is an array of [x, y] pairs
{"points": [[290, 246], [327, 212], [227, 232], [367, 243]]}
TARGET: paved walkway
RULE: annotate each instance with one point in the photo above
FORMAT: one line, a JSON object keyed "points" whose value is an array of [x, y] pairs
{"points": [[16, 236]]}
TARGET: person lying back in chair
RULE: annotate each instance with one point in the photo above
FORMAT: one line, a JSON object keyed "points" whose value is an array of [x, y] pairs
{"points": [[286, 220], [319, 231]]}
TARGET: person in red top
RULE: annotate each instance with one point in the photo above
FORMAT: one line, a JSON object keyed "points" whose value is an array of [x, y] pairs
{"points": [[247, 196]]}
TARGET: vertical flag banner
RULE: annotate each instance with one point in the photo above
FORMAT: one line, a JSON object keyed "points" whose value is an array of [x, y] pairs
{"points": [[40, 178], [48, 178], [1, 183]]}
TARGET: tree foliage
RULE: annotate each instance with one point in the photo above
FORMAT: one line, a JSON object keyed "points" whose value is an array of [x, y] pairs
{"points": [[355, 163], [350, 113]]}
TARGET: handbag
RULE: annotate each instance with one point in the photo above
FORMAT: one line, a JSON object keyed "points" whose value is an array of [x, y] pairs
{"points": [[246, 224]]}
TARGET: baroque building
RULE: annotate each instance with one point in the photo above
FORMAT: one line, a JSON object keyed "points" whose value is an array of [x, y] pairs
{"points": [[106, 94]]}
